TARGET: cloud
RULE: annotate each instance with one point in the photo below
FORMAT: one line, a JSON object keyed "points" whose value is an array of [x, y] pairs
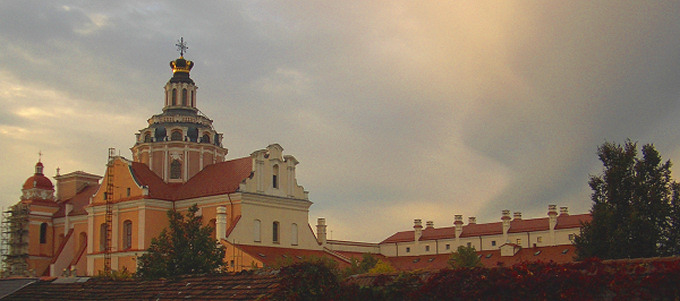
{"points": [[396, 111]]}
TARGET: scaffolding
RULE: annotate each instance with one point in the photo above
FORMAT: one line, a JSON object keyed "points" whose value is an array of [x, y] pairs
{"points": [[15, 241], [109, 211]]}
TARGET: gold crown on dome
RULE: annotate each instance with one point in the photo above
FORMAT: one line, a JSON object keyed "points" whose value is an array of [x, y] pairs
{"points": [[181, 65]]}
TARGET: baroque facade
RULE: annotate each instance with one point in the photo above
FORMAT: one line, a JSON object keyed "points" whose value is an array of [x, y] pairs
{"points": [[258, 211]]}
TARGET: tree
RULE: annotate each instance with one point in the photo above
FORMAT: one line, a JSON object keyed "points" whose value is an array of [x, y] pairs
{"points": [[362, 266], [381, 267], [633, 202], [185, 247], [465, 257], [307, 280]]}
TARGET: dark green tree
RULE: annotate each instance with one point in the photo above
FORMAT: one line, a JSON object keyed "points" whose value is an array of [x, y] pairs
{"points": [[632, 202], [185, 247], [465, 257]]}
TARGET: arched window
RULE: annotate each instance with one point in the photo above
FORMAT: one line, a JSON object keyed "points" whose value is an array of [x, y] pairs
{"points": [[127, 234], [184, 97], [147, 137], [205, 138], [275, 176], [174, 97], [193, 99], [176, 136], [175, 169], [43, 233], [294, 234], [275, 232], [102, 237], [257, 237]]}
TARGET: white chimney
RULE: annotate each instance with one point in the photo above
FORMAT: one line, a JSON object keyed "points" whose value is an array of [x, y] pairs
{"points": [[552, 222], [429, 224], [505, 218], [321, 230], [517, 215], [417, 229], [458, 222], [564, 210], [472, 220], [221, 223]]}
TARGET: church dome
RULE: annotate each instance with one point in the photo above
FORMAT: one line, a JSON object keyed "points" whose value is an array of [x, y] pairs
{"points": [[38, 180]]}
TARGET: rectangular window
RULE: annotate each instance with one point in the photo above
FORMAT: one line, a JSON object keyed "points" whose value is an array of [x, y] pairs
{"points": [[427, 248], [275, 232], [448, 246], [127, 235], [102, 237], [408, 250], [519, 241], [493, 243], [469, 245], [256, 230], [128, 191], [43, 233], [293, 234]]}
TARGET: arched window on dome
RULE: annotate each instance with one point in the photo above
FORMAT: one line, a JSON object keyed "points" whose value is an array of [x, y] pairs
{"points": [[43, 233], [175, 169], [127, 234], [184, 97], [176, 136], [147, 137], [205, 138], [174, 97]]}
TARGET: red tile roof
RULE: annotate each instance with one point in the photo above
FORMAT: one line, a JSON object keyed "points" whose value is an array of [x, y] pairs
{"points": [[79, 201], [482, 229], [219, 178], [564, 221], [489, 258], [241, 286], [272, 256], [215, 179], [529, 225]]}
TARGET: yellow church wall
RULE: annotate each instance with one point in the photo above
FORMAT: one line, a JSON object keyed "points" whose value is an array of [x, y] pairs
{"points": [[155, 222], [124, 186], [128, 262]]}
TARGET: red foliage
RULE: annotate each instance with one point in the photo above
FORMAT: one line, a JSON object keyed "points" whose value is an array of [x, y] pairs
{"points": [[592, 279]]}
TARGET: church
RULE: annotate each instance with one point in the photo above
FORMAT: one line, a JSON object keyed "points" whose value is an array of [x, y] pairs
{"points": [[88, 223]]}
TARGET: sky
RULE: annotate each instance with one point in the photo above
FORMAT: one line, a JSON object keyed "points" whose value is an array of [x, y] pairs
{"points": [[396, 110]]}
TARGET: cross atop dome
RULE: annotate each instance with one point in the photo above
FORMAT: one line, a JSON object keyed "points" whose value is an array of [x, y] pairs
{"points": [[181, 46]]}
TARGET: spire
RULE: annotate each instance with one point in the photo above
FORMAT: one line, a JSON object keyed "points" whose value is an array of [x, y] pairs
{"points": [[181, 65], [39, 165]]}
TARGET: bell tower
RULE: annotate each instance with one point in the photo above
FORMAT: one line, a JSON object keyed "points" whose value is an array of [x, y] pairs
{"points": [[181, 141]]}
